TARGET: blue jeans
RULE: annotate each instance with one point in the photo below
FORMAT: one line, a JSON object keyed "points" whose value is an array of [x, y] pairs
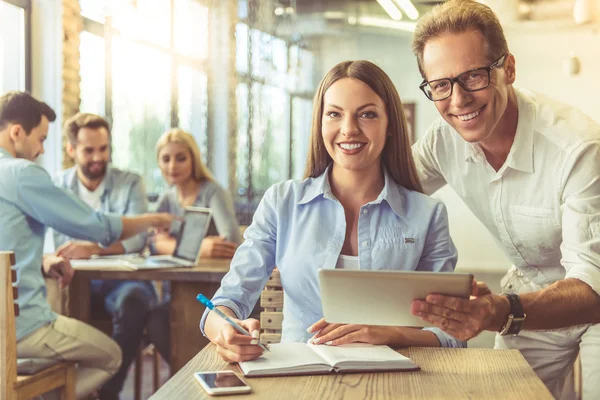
{"points": [[128, 303]]}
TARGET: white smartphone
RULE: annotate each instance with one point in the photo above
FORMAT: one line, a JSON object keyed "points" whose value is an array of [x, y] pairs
{"points": [[221, 382]]}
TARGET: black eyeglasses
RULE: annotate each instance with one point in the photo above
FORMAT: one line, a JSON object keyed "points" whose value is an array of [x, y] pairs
{"points": [[472, 81]]}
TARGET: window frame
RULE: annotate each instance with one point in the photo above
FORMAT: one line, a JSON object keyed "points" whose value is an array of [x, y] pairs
{"points": [[250, 195], [26, 6]]}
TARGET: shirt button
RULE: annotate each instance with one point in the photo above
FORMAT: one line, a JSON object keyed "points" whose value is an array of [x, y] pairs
{"points": [[365, 211], [365, 243]]}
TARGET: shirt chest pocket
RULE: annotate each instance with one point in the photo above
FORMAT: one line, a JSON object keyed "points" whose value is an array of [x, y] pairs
{"points": [[387, 237], [115, 205], [535, 232]]}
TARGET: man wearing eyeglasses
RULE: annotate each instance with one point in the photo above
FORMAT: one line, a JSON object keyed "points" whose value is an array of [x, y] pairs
{"points": [[529, 168]]}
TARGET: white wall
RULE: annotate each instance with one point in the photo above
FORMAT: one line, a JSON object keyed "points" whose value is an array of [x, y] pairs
{"points": [[540, 53]]}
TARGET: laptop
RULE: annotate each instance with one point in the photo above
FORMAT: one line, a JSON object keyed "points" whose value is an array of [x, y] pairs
{"points": [[195, 226], [384, 297]]}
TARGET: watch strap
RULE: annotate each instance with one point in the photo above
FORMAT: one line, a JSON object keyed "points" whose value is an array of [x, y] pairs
{"points": [[515, 321]]}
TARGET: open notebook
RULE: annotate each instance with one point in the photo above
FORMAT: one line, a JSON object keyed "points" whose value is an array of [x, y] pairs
{"points": [[309, 359]]}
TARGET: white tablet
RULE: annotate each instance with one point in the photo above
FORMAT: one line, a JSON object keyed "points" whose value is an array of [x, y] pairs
{"points": [[384, 297]]}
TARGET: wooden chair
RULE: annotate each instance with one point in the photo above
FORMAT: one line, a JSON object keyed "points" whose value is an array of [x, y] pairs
{"points": [[151, 351], [13, 386], [271, 299]]}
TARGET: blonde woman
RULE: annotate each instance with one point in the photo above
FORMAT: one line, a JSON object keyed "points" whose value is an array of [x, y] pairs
{"points": [[361, 198], [192, 184]]}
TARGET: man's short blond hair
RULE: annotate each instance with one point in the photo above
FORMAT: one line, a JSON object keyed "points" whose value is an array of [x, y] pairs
{"points": [[458, 16]]}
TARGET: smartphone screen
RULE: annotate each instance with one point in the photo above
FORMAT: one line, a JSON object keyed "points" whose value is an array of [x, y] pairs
{"points": [[222, 379]]}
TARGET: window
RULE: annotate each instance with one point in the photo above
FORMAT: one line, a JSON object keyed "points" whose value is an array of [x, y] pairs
{"points": [[270, 136], [143, 66], [15, 45], [146, 66], [92, 69], [274, 111]]}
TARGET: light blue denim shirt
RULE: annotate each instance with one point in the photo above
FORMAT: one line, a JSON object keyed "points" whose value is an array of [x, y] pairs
{"points": [[28, 202], [124, 194], [300, 228]]}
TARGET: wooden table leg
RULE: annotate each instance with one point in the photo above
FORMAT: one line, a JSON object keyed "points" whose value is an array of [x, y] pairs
{"points": [[184, 320], [56, 296], [79, 299]]}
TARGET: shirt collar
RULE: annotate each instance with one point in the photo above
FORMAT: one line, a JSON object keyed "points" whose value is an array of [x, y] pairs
{"points": [[73, 180], [392, 195], [520, 156], [320, 186], [473, 151], [5, 153]]}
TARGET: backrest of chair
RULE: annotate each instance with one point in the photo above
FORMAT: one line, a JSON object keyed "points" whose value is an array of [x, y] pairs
{"points": [[8, 310], [271, 319]]}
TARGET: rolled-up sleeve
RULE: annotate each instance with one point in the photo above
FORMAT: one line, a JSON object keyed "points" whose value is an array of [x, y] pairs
{"points": [[252, 263], [38, 197], [445, 339], [580, 208], [439, 253], [137, 204]]}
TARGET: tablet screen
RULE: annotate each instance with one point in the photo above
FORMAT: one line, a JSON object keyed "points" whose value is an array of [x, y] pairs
{"points": [[195, 225]]}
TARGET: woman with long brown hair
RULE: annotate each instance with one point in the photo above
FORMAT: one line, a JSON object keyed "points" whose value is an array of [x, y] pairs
{"points": [[359, 207]]}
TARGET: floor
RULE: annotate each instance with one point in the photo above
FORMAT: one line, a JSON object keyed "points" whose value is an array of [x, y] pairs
{"points": [[128, 392]]}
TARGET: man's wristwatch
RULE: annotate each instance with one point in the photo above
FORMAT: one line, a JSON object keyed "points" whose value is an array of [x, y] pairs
{"points": [[516, 317]]}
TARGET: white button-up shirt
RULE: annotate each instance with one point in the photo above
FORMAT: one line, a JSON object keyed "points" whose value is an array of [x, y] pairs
{"points": [[543, 205]]}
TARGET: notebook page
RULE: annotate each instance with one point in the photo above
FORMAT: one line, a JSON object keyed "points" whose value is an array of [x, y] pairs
{"points": [[94, 263], [285, 358], [363, 356]]}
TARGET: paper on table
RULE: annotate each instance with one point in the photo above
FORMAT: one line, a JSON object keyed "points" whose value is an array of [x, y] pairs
{"points": [[357, 355], [299, 358], [98, 263], [285, 357]]}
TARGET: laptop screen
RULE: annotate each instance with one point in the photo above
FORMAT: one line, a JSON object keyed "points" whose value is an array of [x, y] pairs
{"points": [[195, 226]]}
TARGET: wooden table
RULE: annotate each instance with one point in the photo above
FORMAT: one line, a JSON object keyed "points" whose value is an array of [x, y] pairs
{"points": [[445, 374], [185, 311]]}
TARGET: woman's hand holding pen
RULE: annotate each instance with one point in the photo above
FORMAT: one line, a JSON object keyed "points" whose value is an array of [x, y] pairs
{"points": [[337, 334], [233, 347]]}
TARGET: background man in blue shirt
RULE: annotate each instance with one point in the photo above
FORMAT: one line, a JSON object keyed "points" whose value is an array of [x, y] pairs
{"points": [[107, 189], [28, 202]]}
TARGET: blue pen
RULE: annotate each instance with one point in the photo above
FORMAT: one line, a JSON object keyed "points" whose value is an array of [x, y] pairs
{"points": [[202, 299]]}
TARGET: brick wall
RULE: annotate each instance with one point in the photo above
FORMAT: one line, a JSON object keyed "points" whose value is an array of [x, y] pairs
{"points": [[72, 23]]}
